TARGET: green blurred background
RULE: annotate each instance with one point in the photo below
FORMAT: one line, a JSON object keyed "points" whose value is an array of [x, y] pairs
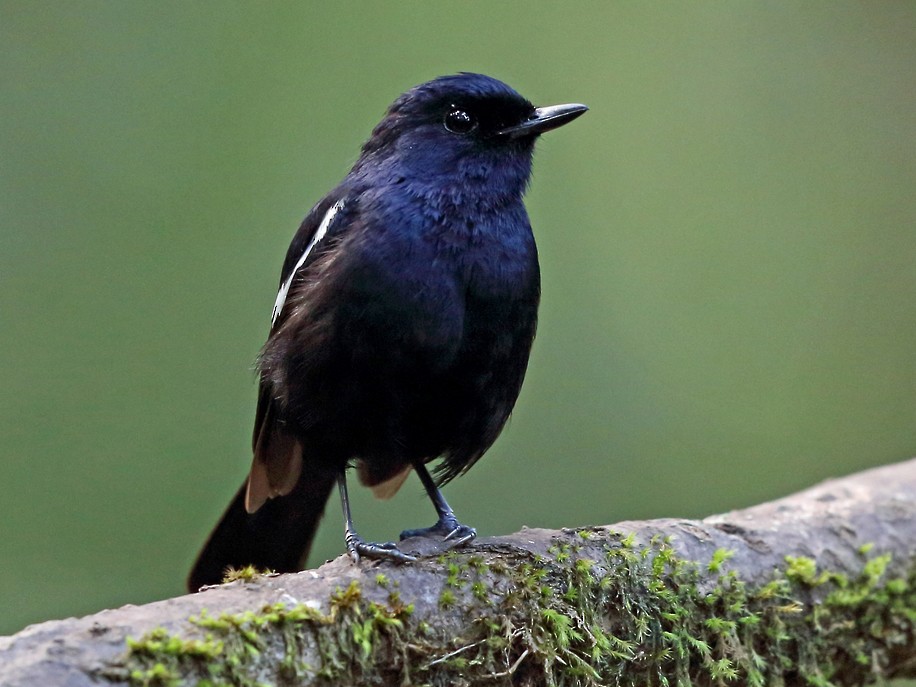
{"points": [[728, 243]]}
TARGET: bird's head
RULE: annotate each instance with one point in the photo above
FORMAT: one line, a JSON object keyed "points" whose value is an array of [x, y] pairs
{"points": [[467, 130]]}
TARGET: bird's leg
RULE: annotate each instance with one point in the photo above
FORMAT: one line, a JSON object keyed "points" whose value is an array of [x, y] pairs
{"points": [[356, 545], [447, 526]]}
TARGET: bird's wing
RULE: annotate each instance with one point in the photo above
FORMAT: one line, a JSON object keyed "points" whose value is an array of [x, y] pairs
{"points": [[277, 462], [313, 229]]}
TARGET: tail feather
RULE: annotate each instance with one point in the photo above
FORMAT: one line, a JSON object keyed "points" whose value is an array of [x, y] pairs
{"points": [[278, 536]]}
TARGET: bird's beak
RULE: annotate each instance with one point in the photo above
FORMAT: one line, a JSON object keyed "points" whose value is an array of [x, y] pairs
{"points": [[544, 119]]}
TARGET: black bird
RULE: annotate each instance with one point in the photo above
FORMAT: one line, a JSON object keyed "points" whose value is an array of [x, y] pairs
{"points": [[401, 331]]}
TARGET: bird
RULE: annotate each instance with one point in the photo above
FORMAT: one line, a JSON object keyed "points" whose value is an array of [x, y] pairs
{"points": [[402, 326]]}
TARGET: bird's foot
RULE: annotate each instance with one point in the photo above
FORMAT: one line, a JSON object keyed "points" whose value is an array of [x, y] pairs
{"points": [[388, 551], [448, 529]]}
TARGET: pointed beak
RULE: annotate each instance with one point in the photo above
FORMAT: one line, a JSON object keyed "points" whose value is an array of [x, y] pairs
{"points": [[544, 119]]}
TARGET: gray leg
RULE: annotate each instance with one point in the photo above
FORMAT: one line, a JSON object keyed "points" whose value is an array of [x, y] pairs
{"points": [[447, 527], [356, 546]]}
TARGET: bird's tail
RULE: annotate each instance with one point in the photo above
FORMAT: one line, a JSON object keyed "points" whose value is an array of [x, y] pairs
{"points": [[277, 536]]}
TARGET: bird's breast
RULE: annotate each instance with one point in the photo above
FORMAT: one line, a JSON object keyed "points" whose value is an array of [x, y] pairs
{"points": [[418, 265], [499, 260]]}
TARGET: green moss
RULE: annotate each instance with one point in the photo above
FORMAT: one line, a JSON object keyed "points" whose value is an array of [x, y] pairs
{"points": [[478, 564], [802, 569], [446, 599], [157, 674], [237, 649], [247, 574], [614, 613], [643, 616], [719, 557]]}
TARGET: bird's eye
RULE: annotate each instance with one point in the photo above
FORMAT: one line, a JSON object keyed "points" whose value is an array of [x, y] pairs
{"points": [[459, 121]]}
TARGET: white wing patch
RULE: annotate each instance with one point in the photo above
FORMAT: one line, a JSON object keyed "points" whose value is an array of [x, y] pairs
{"points": [[322, 230]]}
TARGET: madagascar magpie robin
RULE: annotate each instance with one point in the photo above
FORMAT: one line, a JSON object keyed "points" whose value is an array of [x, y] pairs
{"points": [[402, 327]]}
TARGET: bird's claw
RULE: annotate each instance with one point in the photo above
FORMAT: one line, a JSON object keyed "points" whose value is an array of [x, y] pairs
{"points": [[461, 535], [387, 551], [448, 529]]}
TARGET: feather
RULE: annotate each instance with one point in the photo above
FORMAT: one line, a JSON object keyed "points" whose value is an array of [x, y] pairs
{"points": [[388, 488]]}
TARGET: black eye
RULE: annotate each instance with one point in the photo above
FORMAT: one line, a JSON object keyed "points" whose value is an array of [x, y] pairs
{"points": [[458, 121]]}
